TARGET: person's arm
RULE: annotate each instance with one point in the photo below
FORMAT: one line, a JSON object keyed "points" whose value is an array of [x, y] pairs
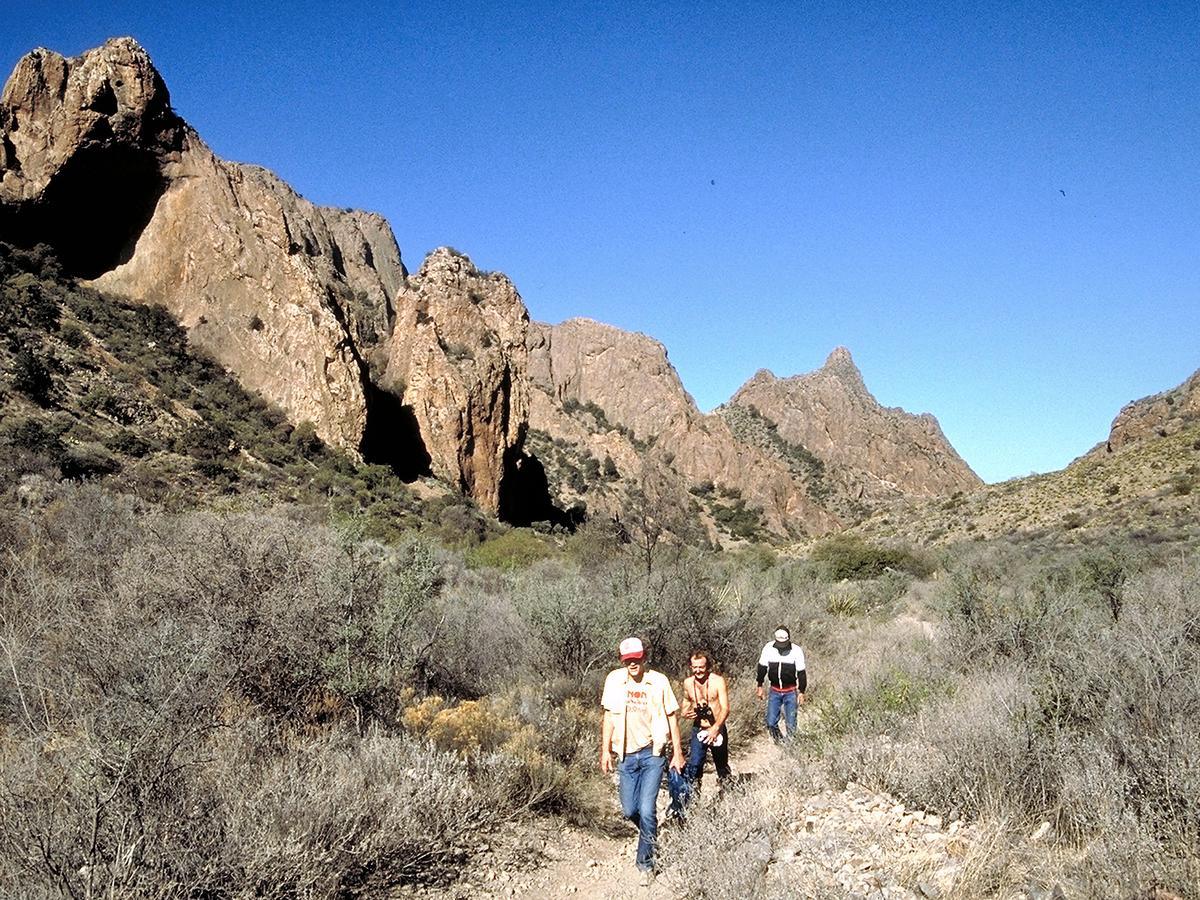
{"points": [[801, 677], [762, 671], [676, 743], [606, 729], [720, 706]]}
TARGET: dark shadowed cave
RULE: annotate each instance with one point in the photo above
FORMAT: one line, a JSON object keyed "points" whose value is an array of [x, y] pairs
{"points": [[392, 437], [93, 210], [525, 495]]}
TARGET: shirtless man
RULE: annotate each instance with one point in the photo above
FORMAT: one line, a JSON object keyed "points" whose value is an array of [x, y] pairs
{"points": [[706, 705]]}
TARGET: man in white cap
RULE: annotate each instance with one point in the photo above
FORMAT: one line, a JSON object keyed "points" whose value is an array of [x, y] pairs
{"points": [[641, 715], [781, 664]]}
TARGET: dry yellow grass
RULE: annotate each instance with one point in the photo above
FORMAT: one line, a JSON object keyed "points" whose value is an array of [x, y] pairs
{"points": [[1151, 488]]}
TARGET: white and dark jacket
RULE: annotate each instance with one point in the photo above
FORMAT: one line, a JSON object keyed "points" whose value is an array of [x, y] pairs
{"points": [[783, 671]]}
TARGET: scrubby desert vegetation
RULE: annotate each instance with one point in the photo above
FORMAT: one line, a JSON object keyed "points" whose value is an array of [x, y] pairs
{"points": [[262, 702], [234, 662]]}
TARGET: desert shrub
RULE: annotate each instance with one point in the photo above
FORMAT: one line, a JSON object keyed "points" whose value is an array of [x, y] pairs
{"points": [[130, 443], [304, 438], [34, 434], [573, 623], [515, 549], [740, 835], [31, 377], [740, 520], [462, 524], [847, 556], [534, 741], [87, 460], [1060, 711], [180, 691]]}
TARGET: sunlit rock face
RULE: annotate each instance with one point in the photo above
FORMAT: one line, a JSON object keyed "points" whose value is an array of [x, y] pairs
{"points": [[309, 305], [458, 357], [629, 377], [876, 452], [1158, 415]]}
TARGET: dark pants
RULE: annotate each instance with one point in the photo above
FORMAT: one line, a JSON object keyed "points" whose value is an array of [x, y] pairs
{"points": [[686, 785], [694, 770]]}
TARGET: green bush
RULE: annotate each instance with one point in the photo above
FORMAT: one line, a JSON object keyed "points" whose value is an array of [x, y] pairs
{"points": [[31, 376], [515, 549], [847, 556]]}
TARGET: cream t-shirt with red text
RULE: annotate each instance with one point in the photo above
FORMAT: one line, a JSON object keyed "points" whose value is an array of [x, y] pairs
{"points": [[639, 710]]}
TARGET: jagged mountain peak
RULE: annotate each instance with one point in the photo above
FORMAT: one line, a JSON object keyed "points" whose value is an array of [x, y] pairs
{"points": [[879, 452], [310, 306], [840, 364]]}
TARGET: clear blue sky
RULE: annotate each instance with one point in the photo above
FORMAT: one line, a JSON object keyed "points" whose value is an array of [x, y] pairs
{"points": [[995, 207]]}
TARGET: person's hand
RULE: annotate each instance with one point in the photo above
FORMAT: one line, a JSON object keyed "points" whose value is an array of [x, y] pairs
{"points": [[759, 692], [690, 714], [606, 762], [707, 736], [800, 698], [677, 760]]}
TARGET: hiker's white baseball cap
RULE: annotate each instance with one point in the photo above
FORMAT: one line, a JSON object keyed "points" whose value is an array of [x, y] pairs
{"points": [[631, 648]]}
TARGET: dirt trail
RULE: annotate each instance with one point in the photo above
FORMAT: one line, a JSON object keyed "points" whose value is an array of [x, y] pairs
{"points": [[849, 843], [586, 863]]}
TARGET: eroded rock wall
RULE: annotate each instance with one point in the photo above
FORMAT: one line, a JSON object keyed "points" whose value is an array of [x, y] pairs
{"points": [[630, 379], [877, 452], [311, 306]]}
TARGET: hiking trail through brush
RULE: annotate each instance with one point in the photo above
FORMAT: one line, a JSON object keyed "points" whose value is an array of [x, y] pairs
{"points": [[850, 843]]}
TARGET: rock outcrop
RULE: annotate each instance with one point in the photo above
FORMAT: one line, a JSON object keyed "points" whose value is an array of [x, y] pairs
{"points": [[439, 372], [650, 426], [311, 306], [876, 452], [1159, 415], [457, 356]]}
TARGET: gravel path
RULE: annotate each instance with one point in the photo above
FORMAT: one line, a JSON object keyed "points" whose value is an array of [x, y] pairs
{"points": [[852, 843]]}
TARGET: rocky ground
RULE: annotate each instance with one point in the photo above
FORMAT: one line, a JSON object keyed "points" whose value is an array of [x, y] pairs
{"points": [[852, 843]]}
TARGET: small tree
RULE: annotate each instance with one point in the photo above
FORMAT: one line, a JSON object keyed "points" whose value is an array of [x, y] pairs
{"points": [[32, 378]]}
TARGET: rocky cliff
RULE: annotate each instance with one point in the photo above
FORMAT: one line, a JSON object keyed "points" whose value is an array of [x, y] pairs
{"points": [[872, 452], [310, 306], [1158, 415], [440, 372], [616, 394]]}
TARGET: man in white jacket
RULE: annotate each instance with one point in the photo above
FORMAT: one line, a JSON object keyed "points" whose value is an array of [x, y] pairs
{"points": [[781, 665], [641, 715]]}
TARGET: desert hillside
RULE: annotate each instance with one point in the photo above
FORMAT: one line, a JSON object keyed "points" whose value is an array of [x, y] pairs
{"points": [[312, 569]]}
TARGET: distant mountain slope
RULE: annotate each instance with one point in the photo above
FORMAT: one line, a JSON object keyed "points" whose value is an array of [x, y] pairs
{"points": [[872, 453], [1148, 488], [616, 394], [1158, 415]]}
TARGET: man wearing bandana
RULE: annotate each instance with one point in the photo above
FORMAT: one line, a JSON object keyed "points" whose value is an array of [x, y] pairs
{"points": [[781, 665]]}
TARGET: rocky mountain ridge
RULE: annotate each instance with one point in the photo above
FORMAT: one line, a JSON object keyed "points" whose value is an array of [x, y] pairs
{"points": [[439, 372], [874, 453], [311, 306], [1159, 415]]}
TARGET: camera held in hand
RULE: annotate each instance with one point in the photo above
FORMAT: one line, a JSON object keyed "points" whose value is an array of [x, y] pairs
{"points": [[704, 714]]}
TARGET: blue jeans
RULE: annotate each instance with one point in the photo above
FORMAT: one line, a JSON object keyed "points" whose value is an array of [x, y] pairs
{"points": [[775, 703], [687, 784], [639, 776]]}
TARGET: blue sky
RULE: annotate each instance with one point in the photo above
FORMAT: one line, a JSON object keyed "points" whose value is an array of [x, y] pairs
{"points": [[995, 207]]}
